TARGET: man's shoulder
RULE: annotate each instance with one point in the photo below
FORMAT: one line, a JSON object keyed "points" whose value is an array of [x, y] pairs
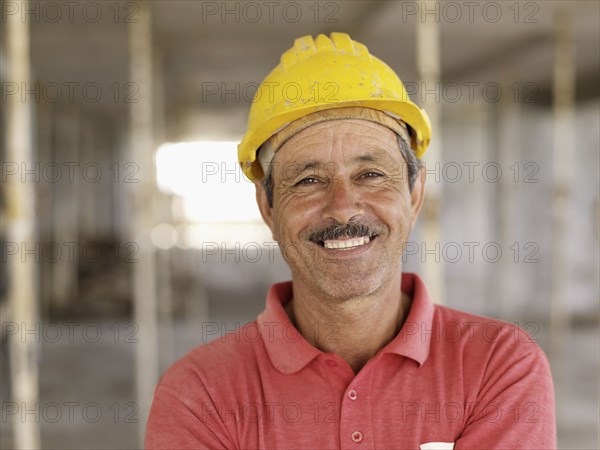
{"points": [[477, 334], [488, 329]]}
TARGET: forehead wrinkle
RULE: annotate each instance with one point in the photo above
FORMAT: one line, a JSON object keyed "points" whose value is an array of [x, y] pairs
{"points": [[312, 164], [373, 154], [332, 140]]}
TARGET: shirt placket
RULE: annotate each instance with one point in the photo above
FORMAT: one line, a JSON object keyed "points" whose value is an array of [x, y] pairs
{"points": [[356, 430]]}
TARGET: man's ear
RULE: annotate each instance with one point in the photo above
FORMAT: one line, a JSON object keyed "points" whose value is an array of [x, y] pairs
{"points": [[263, 205], [417, 195]]}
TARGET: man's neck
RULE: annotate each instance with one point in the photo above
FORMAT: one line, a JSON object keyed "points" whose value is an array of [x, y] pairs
{"points": [[355, 329]]}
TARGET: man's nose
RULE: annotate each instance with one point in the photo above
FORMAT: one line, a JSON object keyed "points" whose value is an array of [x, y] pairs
{"points": [[343, 202]]}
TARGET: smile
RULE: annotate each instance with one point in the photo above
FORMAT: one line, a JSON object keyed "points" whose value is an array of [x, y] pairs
{"points": [[346, 244]]}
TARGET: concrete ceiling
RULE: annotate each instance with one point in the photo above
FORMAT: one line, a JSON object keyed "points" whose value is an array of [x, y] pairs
{"points": [[199, 42]]}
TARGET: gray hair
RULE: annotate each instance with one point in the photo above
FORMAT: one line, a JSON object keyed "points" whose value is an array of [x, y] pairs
{"points": [[413, 165]]}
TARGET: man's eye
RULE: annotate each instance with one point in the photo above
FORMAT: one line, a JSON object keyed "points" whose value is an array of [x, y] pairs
{"points": [[372, 174], [307, 180]]}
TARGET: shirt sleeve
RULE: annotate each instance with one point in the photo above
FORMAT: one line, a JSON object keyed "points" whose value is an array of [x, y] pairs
{"points": [[183, 416], [515, 406]]}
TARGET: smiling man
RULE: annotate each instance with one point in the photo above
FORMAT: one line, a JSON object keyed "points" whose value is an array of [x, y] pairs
{"points": [[352, 353], [341, 210]]}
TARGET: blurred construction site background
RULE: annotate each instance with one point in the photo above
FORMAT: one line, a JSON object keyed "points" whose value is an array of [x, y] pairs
{"points": [[129, 235]]}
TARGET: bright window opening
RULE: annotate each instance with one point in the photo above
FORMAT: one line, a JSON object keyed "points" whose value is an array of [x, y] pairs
{"points": [[209, 181], [216, 202]]}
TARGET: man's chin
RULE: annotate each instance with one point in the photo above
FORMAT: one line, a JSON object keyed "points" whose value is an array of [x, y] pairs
{"points": [[342, 290]]}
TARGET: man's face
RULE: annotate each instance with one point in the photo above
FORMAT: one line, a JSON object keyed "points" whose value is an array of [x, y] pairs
{"points": [[342, 209]]}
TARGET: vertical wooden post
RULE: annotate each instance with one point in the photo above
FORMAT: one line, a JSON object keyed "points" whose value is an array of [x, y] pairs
{"points": [[88, 192], [564, 150], [429, 67], [162, 215], [142, 154], [508, 285], [65, 218], [46, 197], [21, 230]]}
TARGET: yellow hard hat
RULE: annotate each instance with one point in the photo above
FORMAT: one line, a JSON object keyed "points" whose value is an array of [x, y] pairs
{"points": [[322, 74]]}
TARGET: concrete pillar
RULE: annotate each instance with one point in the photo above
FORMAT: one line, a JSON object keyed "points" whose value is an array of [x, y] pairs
{"points": [[65, 218], [429, 67], [163, 215], [564, 150], [142, 147], [21, 229], [45, 200], [88, 192], [508, 284], [563, 153]]}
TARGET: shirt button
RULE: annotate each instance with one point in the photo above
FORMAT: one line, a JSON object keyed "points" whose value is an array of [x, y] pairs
{"points": [[330, 363], [352, 394], [357, 436]]}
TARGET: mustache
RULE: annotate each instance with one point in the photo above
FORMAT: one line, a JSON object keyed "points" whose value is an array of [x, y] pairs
{"points": [[338, 230]]}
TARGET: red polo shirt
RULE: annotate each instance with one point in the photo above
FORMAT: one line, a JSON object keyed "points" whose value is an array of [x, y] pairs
{"points": [[448, 377]]}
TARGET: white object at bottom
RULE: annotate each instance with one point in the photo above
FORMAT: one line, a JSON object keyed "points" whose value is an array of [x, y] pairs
{"points": [[437, 446]]}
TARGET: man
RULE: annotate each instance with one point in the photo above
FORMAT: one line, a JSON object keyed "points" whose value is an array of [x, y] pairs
{"points": [[352, 353]]}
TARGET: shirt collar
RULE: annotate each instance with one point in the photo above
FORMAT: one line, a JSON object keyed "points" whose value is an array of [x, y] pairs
{"points": [[409, 341], [287, 349], [289, 352]]}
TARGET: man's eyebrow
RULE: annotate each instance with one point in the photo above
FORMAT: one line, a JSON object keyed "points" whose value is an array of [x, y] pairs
{"points": [[373, 155], [365, 158], [296, 169], [314, 164], [309, 165]]}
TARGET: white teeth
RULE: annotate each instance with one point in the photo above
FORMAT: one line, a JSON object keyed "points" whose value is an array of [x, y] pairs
{"points": [[347, 243]]}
